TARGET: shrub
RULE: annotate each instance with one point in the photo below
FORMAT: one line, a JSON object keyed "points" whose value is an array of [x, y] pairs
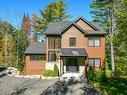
{"points": [[91, 75], [108, 73], [48, 73], [101, 76], [56, 70]]}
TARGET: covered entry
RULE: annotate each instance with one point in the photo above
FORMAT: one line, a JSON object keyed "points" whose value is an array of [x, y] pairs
{"points": [[73, 60], [72, 65]]}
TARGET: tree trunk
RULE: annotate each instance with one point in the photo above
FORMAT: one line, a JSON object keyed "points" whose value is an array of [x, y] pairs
{"points": [[112, 56]]}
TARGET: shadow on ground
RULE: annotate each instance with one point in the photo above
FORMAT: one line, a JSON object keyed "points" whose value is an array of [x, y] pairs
{"points": [[71, 87]]}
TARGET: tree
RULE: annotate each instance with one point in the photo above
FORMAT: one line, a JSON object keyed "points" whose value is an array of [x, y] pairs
{"points": [[54, 12], [8, 50], [120, 41], [104, 15], [26, 23], [21, 45], [6, 29]]}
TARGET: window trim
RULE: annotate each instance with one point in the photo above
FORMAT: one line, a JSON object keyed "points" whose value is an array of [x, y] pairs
{"points": [[70, 41], [94, 62], [94, 42]]}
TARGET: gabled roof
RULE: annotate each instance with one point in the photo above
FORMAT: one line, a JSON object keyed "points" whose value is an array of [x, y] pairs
{"points": [[36, 48], [91, 25], [54, 28], [60, 27], [73, 52]]}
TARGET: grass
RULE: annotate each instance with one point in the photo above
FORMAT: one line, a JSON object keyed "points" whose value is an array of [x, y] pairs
{"points": [[114, 86]]}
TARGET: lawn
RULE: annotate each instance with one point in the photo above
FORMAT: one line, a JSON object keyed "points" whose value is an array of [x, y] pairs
{"points": [[114, 86]]}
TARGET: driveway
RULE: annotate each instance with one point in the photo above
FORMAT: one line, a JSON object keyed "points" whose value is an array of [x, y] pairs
{"points": [[24, 86], [72, 87]]}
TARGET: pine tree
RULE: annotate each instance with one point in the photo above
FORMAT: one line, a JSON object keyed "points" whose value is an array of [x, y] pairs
{"points": [[103, 11], [54, 12], [26, 23], [120, 40]]}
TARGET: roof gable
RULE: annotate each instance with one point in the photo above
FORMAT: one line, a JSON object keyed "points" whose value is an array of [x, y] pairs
{"points": [[70, 25], [82, 22]]}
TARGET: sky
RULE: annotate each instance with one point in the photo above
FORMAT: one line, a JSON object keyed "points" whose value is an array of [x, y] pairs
{"points": [[13, 10]]}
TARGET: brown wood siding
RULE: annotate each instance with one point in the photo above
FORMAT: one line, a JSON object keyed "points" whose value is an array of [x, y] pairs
{"points": [[33, 66], [82, 42], [84, 25]]}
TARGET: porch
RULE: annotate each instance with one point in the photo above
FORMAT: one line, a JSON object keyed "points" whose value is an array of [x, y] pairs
{"points": [[72, 61]]}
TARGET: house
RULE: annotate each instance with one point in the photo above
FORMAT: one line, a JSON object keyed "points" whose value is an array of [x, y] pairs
{"points": [[73, 46]]}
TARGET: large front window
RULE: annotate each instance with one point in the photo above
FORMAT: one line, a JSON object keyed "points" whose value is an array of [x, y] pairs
{"points": [[94, 41], [54, 42], [72, 42]]}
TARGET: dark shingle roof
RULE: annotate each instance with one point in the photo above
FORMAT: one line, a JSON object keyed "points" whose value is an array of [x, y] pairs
{"points": [[73, 52], [58, 28], [93, 32], [55, 28], [36, 48]]}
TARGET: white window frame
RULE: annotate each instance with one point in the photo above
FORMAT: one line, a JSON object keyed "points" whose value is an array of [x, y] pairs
{"points": [[96, 42], [94, 62]]}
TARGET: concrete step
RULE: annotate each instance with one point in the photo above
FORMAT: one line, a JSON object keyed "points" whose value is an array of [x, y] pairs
{"points": [[72, 76]]}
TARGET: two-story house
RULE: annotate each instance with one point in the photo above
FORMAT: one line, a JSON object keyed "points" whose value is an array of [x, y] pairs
{"points": [[73, 46]]}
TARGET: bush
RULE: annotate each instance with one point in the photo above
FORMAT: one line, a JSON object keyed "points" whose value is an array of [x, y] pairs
{"points": [[109, 73], [52, 73], [48, 73], [96, 76], [56, 71], [101, 76], [91, 75]]}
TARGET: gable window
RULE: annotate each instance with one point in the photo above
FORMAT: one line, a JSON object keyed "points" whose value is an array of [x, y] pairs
{"points": [[72, 42], [94, 41], [37, 57], [94, 62]]}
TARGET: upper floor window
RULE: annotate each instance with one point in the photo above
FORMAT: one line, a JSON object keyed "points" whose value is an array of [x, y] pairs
{"points": [[54, 42], [94, 41], [72, 42], [94, 62]]}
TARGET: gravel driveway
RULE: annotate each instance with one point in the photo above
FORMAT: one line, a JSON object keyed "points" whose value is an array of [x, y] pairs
{"points": [[23, 86]]}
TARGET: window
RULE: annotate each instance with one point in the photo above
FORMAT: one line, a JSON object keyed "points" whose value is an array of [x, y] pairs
{"points": [[53, 55], [51, 43], [72, 42], [91, 62], [94, 41], [94, 62], [54, 42], [57, 43], [97, 41], [37, 57], [91, 42]]}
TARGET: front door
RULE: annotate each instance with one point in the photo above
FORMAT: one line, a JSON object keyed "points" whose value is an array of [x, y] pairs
{"points": [[72, 65]]}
